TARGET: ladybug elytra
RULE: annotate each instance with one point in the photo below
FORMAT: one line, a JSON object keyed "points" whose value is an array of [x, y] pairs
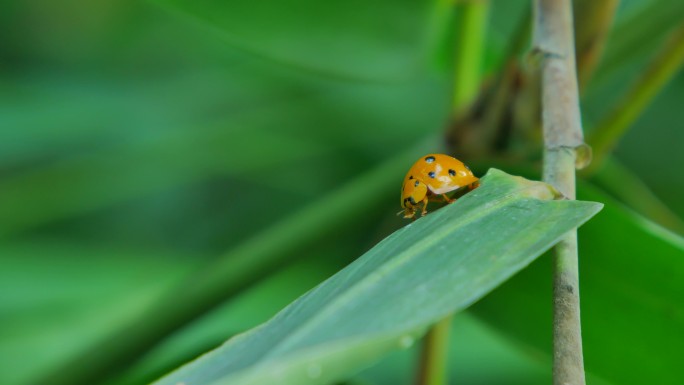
{"points": [[431, 176]]}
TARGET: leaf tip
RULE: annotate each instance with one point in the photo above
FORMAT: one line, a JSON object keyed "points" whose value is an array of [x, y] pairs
{"points": [[530, 188]]}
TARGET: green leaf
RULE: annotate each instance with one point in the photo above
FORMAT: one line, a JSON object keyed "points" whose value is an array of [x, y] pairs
{"points": [[384, 300], [626, 44], [56, 298], [350, 39], [254, 306], [72, 295], [631, 296], [245, 263], [624, 185], [478, 355], [137, 170], [270, 124]]}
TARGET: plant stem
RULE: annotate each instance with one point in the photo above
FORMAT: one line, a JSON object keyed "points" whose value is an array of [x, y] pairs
{"points": [[237, 270], [593, 19], [553, 40], [470, 34], [471, 21], [433, 355], [660, 70]]}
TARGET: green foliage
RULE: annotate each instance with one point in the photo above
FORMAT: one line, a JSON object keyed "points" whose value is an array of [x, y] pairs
{"points": [[413, 278], [137, 148], [316, 36], [628, 44], [57, 297], [633, 304]]}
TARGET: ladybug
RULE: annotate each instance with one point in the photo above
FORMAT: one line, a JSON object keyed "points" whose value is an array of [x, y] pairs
{"points": [[432, 175]]}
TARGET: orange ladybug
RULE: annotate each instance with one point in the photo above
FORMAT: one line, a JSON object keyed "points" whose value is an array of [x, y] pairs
{"points": [[433, 175]]}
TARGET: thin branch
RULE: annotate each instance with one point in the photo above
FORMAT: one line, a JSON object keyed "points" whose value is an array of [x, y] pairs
{"points": [[563, 149]]}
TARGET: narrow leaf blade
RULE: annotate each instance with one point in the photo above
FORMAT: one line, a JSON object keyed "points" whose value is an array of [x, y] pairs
{"points": [[631, 274], [422, 272], [338, 39]]}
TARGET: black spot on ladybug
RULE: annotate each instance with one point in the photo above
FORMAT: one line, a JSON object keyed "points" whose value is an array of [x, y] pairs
{"points": [[416, 184], [452, 172], [410, 177], [431, 174], [430, 159]]}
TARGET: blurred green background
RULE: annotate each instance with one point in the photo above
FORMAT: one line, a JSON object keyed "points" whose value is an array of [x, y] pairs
{"points": [[141, 140]]}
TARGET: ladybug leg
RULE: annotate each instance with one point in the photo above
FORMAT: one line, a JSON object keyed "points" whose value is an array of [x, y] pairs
{"points": [[447, 199], [473, 186], [425, 203]]}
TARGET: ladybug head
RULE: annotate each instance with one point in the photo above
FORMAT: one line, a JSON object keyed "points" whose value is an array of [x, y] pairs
{"points": [[413, 192]]}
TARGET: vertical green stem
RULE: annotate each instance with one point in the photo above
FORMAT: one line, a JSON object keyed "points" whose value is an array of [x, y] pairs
{"points": [[471, 20], [553, 40], [470, 34], [433, 357], [593, 21]]}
